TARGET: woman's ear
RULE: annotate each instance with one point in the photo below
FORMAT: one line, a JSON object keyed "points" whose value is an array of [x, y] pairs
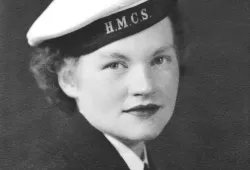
{"points": [[67, 78]]}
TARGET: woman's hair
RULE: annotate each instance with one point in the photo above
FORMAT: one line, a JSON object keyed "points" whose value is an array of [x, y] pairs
{"points": [[49, 57]]}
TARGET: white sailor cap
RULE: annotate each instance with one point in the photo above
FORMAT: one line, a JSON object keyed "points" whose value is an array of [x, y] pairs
{"points": [[96, 22]]}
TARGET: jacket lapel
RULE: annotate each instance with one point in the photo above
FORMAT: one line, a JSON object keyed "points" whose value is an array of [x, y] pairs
{"points": [[150, 161], [84, 147]]}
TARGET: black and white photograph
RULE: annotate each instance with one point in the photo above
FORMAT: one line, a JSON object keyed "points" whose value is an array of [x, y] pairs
{"points": [[124, 85]]}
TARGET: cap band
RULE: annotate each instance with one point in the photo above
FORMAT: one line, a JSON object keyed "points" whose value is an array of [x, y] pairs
{"points": [[114, 27]]}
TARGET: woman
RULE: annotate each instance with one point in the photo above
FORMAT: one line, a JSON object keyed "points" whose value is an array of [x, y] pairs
{"points": [[114, 67]]}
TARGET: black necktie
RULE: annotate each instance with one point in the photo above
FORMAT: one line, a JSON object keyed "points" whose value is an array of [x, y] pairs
{"points": [[146, 167], [150, 165]]}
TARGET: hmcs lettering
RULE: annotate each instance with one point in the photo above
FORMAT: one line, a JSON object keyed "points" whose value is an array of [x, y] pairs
{"points": [[126, 21]]}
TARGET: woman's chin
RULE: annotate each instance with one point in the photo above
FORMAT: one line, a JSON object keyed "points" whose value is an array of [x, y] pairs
{"points": [[141, 136]]}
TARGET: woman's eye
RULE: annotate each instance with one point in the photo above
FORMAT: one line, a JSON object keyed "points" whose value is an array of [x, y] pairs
{"points": [[115, 65], [160, 60]]}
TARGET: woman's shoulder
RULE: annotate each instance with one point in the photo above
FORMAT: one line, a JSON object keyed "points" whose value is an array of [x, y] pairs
{"points": [[44, 154], [79, 146]]}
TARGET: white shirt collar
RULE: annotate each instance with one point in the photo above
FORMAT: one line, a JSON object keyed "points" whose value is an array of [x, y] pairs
{"points": [[131, 159]]}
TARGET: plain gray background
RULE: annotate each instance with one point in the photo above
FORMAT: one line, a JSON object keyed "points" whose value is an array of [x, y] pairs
{"points": [[210, 127]]}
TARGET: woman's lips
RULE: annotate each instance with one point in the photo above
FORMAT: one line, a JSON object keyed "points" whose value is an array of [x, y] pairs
{"points": [[143, 110]]}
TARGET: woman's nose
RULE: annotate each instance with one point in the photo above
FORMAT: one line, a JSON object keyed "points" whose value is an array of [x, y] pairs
{"points": [[140, 82]]}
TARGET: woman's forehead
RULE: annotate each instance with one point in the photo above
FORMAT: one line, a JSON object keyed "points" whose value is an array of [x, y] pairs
{"points": [[143, 55]]}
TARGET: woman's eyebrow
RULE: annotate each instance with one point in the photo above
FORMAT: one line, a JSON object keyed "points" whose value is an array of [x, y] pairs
{"points": [[118, 56], [163, 49]]}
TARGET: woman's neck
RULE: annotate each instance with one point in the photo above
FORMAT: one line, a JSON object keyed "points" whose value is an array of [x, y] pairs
{"points": [[137, 147]]}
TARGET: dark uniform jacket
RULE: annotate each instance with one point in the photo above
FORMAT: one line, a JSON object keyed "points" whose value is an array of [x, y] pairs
{"points": [[81, 148]]}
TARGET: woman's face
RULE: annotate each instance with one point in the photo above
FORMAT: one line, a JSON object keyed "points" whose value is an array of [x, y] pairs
{"points": [[128, 88]]}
